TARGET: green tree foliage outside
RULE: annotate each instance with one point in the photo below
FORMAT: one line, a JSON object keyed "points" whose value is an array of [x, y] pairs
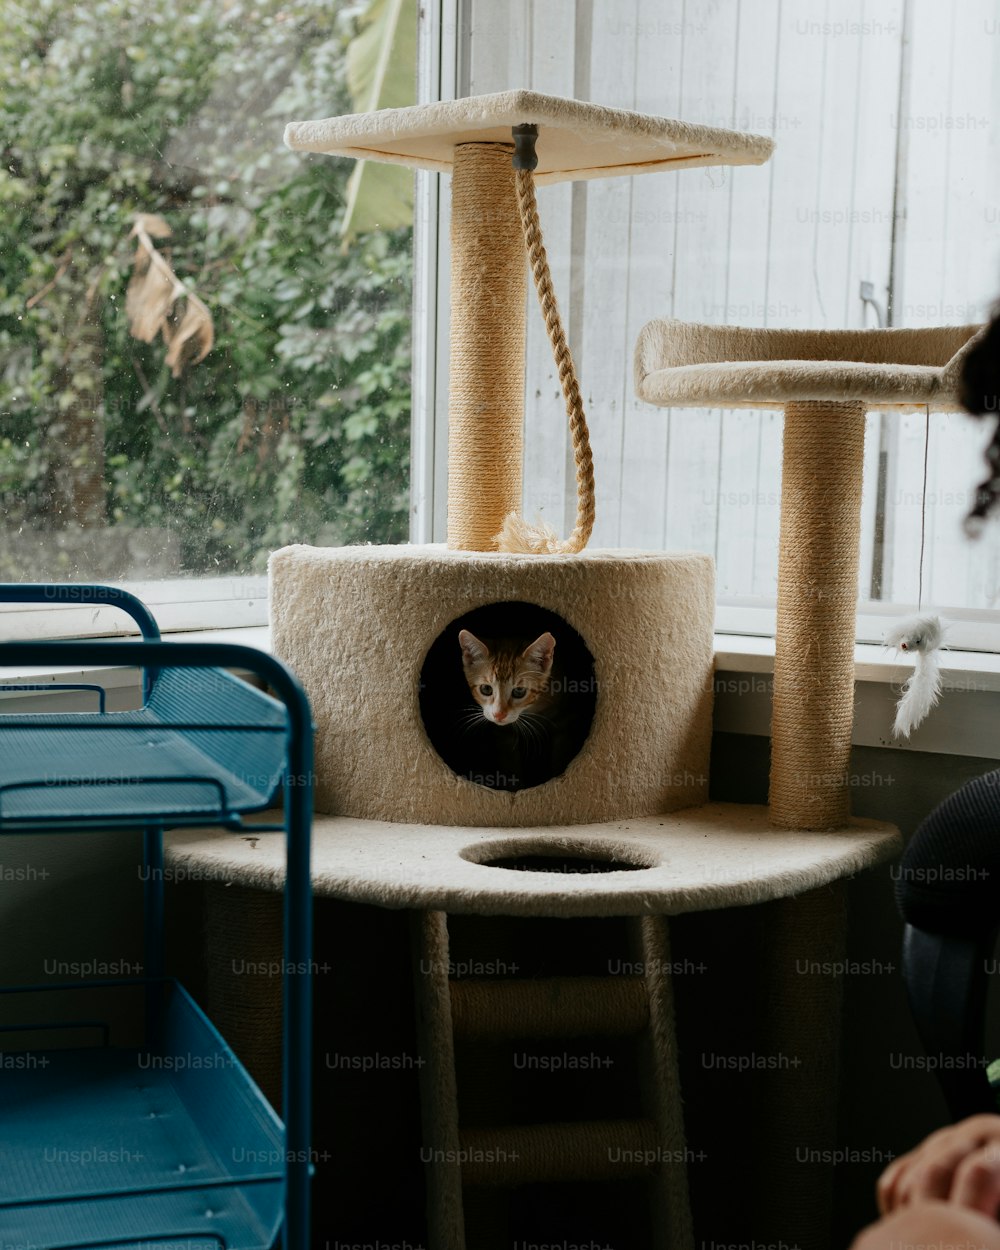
{"points": [[296, 426]]}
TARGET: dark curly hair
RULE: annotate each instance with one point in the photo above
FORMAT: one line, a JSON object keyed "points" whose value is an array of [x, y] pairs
{"points": [[979, 393]]}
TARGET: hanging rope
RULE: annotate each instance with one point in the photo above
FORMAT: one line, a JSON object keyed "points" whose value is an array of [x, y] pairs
{"points": [[517, 535]]}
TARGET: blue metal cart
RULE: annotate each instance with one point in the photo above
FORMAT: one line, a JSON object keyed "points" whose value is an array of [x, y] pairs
{"points": [[152, 1133]]}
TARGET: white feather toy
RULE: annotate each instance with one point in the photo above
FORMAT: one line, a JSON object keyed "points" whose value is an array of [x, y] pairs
{"points": [[921, 636]]}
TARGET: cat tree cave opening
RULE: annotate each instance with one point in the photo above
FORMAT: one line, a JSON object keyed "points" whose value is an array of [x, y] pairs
{"points": [[538, 743]]}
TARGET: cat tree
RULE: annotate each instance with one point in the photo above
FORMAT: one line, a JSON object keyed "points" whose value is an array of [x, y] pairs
{"points": [[400, 829]]}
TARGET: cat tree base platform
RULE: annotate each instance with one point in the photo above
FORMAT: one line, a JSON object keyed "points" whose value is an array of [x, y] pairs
{"points": [[711, 856]]}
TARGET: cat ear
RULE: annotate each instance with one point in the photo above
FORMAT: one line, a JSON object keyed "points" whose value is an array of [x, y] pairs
{"points": [[473, 651], [541, 651]]}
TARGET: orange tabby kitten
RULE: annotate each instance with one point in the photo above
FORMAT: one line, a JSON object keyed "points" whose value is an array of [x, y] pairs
{"points": [[517, 711], [505, 681]]}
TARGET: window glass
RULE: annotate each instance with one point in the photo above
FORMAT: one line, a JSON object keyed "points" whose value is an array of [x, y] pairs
{"points": [[195, 368], [878, 206]]}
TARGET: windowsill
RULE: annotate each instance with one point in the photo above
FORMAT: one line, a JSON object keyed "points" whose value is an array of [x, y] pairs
{"points": [[966, 721], [961, 670]]}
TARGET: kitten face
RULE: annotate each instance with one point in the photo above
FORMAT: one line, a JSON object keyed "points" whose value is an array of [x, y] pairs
{"points": [[507, 681]]}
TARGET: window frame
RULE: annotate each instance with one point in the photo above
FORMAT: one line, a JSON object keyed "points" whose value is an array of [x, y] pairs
{"points": [[440, 76]]}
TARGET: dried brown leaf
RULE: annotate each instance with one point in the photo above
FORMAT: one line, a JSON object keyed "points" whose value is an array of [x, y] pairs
{"points": [[190, 339], [149, 298], [153, 224], [155, 297]]}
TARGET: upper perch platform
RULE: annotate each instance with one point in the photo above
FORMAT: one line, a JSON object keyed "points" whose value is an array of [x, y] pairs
{"points": [[576, 140], [683, 364]]}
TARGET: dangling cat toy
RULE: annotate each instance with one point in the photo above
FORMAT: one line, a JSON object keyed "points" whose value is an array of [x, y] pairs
{"points": [[922, 636]]}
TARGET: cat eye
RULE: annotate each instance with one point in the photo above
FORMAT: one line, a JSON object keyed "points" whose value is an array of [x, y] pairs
{"points": [[487, 690], [518, 692]]}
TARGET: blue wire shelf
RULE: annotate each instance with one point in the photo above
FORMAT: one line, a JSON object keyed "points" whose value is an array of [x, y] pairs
{"points": [[170, 758], [102, 1140], [120, 1139]]}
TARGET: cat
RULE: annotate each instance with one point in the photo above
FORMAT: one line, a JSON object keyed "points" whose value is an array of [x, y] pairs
{"points": [[518, 721], [507, 681]]}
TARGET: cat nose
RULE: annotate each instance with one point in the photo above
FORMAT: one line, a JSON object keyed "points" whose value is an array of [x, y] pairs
{"points": [[500, 716]]}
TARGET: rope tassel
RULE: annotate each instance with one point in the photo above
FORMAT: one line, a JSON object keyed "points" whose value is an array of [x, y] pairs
{"points": [[517, 535]]}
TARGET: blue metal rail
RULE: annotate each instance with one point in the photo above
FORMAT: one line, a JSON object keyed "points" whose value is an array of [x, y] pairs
{"points": [[88, 759]]}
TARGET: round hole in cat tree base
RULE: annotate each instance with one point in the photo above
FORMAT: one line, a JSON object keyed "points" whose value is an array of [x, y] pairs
{"points": [[560, 855], [356, 624], [557, 863], [523, 664]]}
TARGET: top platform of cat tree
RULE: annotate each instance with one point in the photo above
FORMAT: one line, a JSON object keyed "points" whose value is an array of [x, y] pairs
{"points": [[580, 140]]}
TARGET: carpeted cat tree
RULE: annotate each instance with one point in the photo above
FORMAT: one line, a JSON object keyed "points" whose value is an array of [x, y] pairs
{"points": [[660, 720], [400, 828]]}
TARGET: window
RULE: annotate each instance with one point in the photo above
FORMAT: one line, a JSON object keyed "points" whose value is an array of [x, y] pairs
{"points": [[194, 368], [881, 202], [884, 174]]}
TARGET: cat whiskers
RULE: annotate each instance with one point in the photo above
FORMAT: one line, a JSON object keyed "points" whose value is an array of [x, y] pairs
{"points": [[471, 719], [533, 728]]}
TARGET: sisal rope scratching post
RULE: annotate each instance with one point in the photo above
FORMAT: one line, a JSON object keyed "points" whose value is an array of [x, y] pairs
{"points": [[817, 598], [438, 1085], [486, 410], [675, 1230], [795, 1105], [486, 390], [476, 139], [245, 944]]}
